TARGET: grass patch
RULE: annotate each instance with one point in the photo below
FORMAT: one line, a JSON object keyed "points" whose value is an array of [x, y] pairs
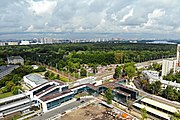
{"points": [[4, 95], [64, 79]]}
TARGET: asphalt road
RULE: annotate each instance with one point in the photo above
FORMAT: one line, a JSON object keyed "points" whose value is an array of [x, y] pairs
{"points": [[61, 109]]}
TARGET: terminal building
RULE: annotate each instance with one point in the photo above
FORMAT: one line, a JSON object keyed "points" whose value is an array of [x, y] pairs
{"points": [[50, 94]]}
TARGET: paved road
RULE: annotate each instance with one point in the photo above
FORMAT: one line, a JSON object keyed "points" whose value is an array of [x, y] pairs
{"points": [[61, 109]]}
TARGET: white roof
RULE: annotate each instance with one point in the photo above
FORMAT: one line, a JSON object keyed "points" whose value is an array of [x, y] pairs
{"points": [[12, 98], [174, 84], [36, 79], [166, 82], [14, 104], [152, 110], [159, 105]]}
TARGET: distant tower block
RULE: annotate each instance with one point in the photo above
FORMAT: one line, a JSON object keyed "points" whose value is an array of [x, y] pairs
{"points": [[178, 55]]}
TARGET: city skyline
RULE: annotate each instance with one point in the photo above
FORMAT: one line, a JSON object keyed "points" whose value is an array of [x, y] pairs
{"points": [[129, 19]]}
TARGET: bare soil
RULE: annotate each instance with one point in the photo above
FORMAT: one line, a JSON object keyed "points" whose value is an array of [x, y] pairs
{"points": [[90, 112]]}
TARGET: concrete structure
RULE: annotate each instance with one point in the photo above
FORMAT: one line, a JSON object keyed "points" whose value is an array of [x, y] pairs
{"points": [[12, 43], [178, 55], [168, 65], [165, 83], [25, 43], [51, 94], [14, 104], [2, 43], [85, 80], [9, 43], [34, 80], [156, 109], [153, 112], [5, 70], [46, 40], [15, 60]]}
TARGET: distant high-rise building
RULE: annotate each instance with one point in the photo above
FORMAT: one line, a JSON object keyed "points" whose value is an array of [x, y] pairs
{"points": [[178, 55], [168, 65]]}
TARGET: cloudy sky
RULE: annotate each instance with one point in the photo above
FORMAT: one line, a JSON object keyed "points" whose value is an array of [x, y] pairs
{"points": [[112, 16]]}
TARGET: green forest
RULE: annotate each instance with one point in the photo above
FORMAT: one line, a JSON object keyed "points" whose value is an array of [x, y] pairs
{"points": [[70, 58], [63, 55]]}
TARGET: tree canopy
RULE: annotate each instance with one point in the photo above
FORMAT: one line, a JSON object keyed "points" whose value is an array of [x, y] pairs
{"points": [[109, 96]]}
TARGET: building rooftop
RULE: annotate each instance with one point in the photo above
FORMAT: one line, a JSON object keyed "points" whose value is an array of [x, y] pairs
{"points": [[13, 104], [78, 86], [49, 88], [131, 89], [152, 110], [111, 85], [38, 86], [14, 57], [3, 100], [121, 92], [92, 86], [60, 82], [38, 80], [159, 105], [4, 68], [51, 96]]}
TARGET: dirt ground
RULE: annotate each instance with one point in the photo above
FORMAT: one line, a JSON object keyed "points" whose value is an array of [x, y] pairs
{"points": [[90, 112]]}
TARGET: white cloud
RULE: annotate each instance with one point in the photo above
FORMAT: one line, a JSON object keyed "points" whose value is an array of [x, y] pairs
{"points": [[125, 17], [46, 24], [30, 28], [130, 16], [152, 17], [42, 8]]}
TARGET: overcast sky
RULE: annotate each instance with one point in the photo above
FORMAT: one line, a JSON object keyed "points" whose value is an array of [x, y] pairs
{"points": [[114, 16]]}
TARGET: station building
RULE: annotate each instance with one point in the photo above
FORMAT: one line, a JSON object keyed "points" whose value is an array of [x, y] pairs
{"points": [[51, 94]]}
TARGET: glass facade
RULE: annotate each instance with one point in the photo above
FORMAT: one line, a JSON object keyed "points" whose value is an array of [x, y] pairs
{"points": [[120, 97], [53, 92], [58, 102], [64, 88], [41, 89], [134, 94], [81, 90]]}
